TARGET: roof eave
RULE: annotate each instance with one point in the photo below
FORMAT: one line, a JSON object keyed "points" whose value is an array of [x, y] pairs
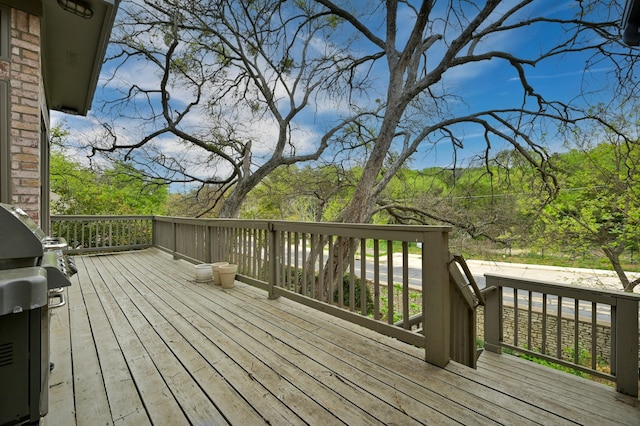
{"points": [[73, 49]]}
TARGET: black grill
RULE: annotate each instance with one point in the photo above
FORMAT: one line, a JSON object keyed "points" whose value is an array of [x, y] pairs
{"points": [[33, 272]]}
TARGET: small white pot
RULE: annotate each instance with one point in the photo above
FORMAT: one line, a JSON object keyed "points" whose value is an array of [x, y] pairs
{"points": [[215, 269], [228, 275], [203, 273]]}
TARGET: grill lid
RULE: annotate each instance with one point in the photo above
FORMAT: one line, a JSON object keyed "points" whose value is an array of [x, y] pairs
{"points": [[21, 236]]}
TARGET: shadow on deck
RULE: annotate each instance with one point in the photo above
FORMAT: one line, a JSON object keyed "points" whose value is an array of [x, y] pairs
{"points": [[139, 342]]}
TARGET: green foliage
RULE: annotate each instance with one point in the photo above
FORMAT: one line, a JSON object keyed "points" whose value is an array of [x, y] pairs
{"points": [[286, 65], [307, 194], [296, 277], [334, 21], [601, 204], [584, 359], [545, 363], [357, 285], [415, 303], [116, 190], [222, 55], [599, 207]]}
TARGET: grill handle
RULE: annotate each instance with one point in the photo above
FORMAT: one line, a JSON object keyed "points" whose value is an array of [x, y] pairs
{"points": [[61, 300], [54, 243]]}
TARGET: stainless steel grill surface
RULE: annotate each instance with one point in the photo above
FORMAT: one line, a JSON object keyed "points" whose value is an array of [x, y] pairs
{"points": [[33, 273]]}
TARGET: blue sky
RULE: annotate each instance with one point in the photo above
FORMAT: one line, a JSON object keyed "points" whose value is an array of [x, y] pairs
{"points": [[479, 86]]}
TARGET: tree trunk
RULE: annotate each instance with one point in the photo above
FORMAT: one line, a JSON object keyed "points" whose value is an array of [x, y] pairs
{"points": [[231, 205], [614, 257], [246, 182]]}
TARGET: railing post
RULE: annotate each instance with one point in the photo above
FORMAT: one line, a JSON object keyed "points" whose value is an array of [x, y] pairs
{"points": [[436, 303], [174, 231], [492, 316], [207, 243], [154, 232], [272, 259], [215, 243], [626, 346]]}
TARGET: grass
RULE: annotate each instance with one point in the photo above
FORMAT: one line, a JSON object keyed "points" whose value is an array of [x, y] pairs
{"points": [[584, 359], [415, 302], [396, 247]]}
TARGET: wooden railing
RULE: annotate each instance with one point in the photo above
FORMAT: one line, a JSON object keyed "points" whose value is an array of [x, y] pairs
{"points": [[564, 325], [413, 289], [86, 234], [323, 265]]}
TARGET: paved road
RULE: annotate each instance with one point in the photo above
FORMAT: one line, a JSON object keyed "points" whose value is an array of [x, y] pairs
{"points": [[594, 278]]}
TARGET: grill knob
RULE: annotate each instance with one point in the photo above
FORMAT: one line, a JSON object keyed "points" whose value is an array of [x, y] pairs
{"points": [[71, 266]]}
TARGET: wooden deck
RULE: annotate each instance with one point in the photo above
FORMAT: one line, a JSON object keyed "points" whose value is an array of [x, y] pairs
{"points": [[139, 342]]}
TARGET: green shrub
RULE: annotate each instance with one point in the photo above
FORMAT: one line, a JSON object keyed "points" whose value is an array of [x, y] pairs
{"points": [[357, 283]]}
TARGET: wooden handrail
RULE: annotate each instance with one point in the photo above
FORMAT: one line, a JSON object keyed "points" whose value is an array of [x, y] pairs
{"points": [[301, 261], [459, 259], [275, 255], [296, 260], [85, 233], [533, 309]]}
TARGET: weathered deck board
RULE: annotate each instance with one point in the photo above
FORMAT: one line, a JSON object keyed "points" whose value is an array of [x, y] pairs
{"points": [[149, 345], [91, 400], [61, 380], [122, 395], [169, 384], [305, 336], [181, 339], [582, 398], [327, 390]]}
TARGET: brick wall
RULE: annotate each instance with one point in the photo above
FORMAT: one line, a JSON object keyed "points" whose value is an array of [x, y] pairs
{"points": [[25, 109]]}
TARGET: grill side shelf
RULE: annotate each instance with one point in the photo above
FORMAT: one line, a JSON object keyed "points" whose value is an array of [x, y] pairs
{"points": [[22, 289]]}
